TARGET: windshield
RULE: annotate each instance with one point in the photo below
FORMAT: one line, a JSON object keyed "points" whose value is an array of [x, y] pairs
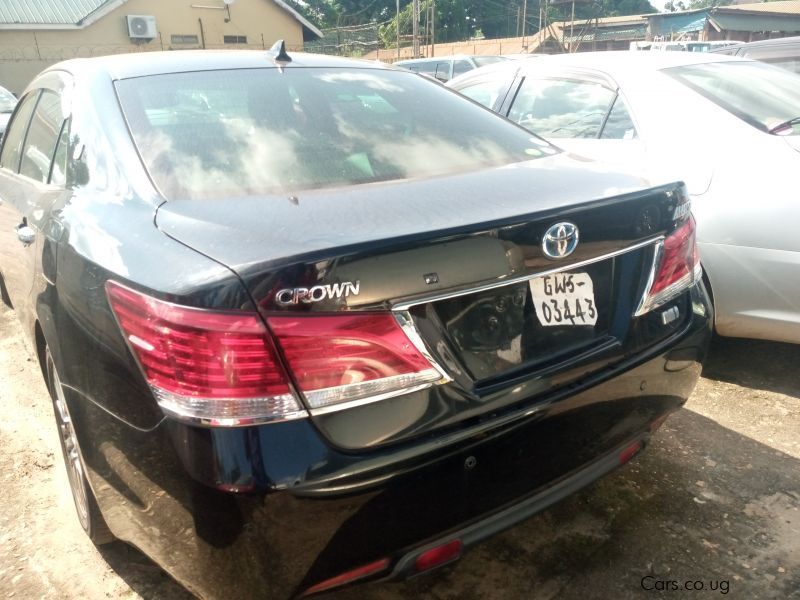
{"points": [[7, 101], [761, 95], [254, 131]]}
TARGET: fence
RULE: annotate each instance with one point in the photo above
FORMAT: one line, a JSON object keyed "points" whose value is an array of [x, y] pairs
{"points": [[542, 41]]}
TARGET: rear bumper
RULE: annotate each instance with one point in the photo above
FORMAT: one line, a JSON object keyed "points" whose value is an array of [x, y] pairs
{"points": [[507, 518], [329, 511]]}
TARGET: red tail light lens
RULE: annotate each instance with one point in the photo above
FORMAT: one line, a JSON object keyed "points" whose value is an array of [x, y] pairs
{"points": [[440, 555], [339, 359], [677, 267], [213, 367]]}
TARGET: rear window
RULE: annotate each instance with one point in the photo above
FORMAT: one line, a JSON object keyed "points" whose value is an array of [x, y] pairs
{"points": [[253, 131], [766, 97]]}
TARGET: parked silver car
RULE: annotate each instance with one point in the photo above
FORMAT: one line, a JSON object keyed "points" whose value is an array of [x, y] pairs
{"points": [[445, 68], [728, 127]]}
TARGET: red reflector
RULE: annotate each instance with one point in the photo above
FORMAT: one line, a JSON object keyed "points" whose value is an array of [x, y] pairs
{"points": [[658, 423], [217, 366], [438, 556], [629, 452], [337, 358], [349, 577]]}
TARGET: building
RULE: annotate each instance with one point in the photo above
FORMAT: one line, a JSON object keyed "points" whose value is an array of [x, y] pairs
{"points": [[751, 22], [607, 33], [740, 22], [34, 35]]}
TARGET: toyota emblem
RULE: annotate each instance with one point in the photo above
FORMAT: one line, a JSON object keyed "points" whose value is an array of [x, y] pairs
{"points": [[560, 240]]}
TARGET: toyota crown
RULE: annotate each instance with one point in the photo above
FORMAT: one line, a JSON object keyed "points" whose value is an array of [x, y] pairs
{"points": [[309, 321]]}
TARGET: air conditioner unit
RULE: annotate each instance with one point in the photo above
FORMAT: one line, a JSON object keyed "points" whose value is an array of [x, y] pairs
{"points": [[141, 27]]}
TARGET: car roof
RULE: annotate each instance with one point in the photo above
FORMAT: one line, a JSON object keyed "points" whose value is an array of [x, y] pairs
{"points": [[785, 41], [407, 61], [611, 63], [140, 64]]}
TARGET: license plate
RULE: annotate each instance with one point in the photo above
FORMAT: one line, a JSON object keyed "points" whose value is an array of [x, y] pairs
{"points": [[564, 299]]}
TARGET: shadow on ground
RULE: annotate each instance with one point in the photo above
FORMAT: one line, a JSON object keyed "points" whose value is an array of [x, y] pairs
{"points": [[143, 576], [755, 364]]}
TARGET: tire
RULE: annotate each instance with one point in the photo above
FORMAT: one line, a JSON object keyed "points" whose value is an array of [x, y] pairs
{"points": [[85, 503]]}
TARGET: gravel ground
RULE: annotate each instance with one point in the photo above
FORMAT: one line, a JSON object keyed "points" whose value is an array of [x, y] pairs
{"points": [[713, 503]]}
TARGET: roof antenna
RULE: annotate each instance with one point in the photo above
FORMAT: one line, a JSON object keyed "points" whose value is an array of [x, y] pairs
{"points": [[278, 52]]}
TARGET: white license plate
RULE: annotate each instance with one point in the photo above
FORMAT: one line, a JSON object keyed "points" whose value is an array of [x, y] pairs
{"points": [[564, 299]]}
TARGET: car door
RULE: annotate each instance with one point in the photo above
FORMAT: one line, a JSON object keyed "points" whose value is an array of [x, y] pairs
{"points": [[29, 184], [580, 112], [11, 248]]}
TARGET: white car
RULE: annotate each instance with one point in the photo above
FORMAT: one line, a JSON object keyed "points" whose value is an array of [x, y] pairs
{"points": [[728, 127]]}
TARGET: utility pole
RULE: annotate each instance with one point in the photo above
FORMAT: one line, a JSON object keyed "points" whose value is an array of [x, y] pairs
{"points": [[524, 23], [426, 35], [433, 27], [572, 29], [397, 21], [517, 30], [415, 28]]}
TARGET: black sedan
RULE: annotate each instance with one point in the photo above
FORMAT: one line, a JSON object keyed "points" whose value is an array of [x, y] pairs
{"points": [[309, 321]]}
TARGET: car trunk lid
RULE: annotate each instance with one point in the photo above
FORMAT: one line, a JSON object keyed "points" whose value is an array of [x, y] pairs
{"points": [[460, 262]]}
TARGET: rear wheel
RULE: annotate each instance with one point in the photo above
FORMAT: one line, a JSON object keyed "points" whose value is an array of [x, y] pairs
{"points": [[88, 512]]}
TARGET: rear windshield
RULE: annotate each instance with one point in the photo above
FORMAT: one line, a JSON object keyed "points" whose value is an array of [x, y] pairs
{"points": [[764, 96], [212, 134]]}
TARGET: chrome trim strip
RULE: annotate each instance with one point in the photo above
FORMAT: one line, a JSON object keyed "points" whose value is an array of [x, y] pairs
{"points": [[332, 408], [406, 323], [642, 307], [404, 306], [173, 405]]}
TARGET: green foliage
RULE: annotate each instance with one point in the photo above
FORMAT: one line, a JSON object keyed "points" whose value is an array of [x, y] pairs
{"points": [[461, 19]]}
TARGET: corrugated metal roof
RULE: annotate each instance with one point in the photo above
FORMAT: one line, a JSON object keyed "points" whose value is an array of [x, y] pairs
{"points": [[47, 12], [632, 19], [633, 33], [781, 6], [73, 12], [750, 22]]}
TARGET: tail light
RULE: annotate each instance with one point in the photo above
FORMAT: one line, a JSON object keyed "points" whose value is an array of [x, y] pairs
{"points": [[676, 267], [223, 368], [339, 360], [212, 367]]}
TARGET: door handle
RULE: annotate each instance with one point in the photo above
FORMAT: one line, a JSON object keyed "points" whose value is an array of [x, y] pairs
{"points": [[26, 234]]}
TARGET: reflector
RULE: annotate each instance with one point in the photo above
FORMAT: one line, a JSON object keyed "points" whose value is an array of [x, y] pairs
{"points": [[349, 576], [438, 556]]}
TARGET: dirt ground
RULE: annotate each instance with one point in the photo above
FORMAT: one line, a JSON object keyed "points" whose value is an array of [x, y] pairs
{"points": [[711, 508]]}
